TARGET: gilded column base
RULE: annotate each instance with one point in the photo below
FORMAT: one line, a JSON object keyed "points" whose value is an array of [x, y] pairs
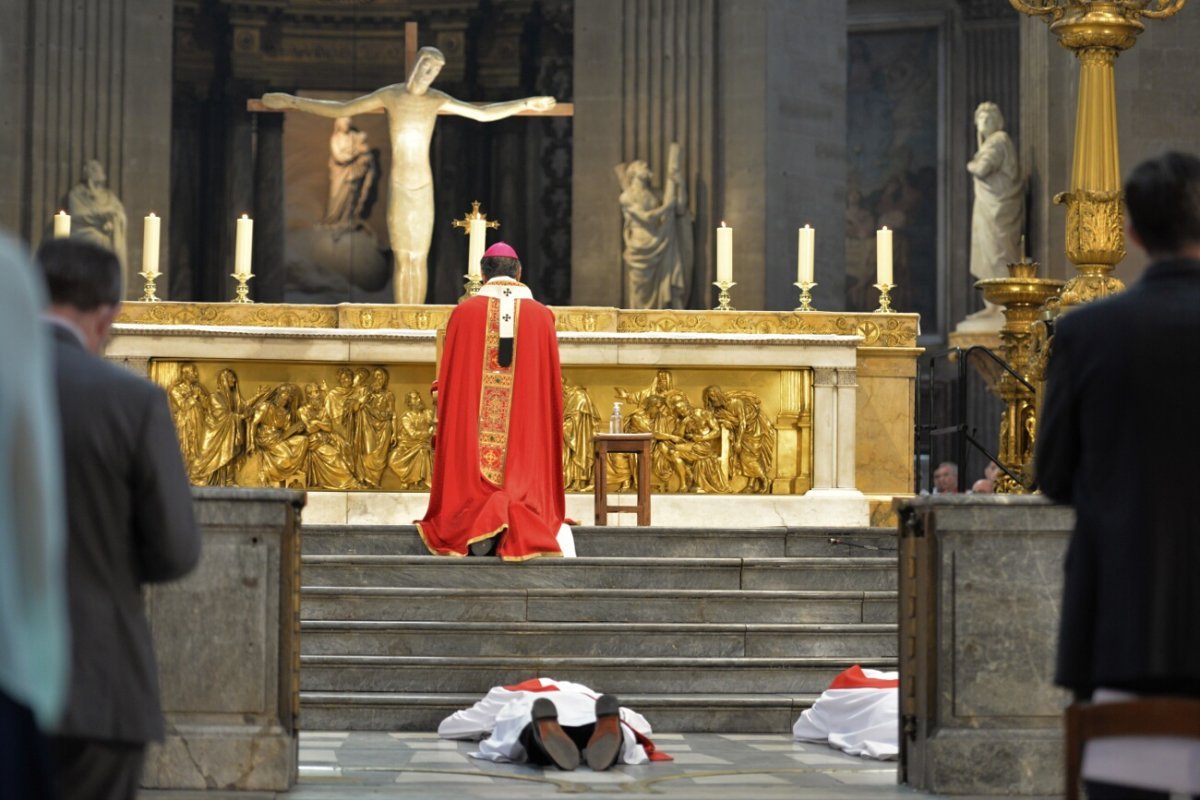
{"points": [[1088, 286]]}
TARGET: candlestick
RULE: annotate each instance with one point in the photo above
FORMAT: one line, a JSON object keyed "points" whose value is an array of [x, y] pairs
{"points": [[805, 295], [885, 298], [883, 255], [724, 254], [151, 232], [242, 290], [473, 285], [475, 246], [62, 225], [723, 295], [805, 252], [244, 245]]}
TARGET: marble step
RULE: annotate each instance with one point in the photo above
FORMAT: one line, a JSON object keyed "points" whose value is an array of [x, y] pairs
{"points": [[589, 605], [812, 675], [562, 639], [780, 542], [794, 574], [667, 713]]}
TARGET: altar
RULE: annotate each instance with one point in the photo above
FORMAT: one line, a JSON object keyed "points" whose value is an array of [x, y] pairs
{"points": [[816, 408]]}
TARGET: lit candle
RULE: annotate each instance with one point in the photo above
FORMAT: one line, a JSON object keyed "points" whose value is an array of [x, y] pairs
{"points": [[883, 256], [804, 267], [150, 236], [62, 225], [478, 238], [245, 239], [724, 254]]}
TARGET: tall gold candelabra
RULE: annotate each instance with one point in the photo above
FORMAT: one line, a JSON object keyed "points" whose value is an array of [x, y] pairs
{"points": [[1022, 295], [1096, 31]]}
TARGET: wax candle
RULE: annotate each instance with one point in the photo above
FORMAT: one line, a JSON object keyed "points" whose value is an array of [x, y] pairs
{"points": [[478, 238], [62, 225], [245, 239], [883, 256], [724, 254], [151, 230], [804, 266]]}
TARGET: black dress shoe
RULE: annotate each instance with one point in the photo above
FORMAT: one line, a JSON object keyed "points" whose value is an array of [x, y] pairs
{"points": [[549, 736], [604, 747], [484, 547]]}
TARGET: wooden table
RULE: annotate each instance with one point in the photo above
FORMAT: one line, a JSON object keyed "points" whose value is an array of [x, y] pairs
{"points": [[636, 444]]}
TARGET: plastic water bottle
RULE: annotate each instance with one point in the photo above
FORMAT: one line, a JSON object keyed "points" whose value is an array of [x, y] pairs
{"points": [[614, 422]]}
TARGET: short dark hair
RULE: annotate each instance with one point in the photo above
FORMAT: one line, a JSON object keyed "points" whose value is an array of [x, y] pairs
{"points": [[79, 274], [495, 266], [1163, 199]]}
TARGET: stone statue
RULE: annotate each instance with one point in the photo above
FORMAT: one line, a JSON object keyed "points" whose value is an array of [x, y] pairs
{"points": [[412, 108], [658, 236], [353, 170], [97, 215], [999, 214]]}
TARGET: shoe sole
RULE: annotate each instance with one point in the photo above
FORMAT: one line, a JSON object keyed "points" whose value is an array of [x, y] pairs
{"points": [[550, 736], [604, 746]]}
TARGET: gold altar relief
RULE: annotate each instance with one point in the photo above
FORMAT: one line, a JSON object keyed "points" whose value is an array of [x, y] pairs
{"points": [[232, 314], [720, 442], [305, 426], [580, 423]]}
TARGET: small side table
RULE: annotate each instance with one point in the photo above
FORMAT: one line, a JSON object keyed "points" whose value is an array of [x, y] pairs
{"points": [[637, 444]]}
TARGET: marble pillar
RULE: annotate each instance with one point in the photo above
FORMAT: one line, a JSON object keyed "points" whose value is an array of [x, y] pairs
{"points": [[227, 642], [88, 79], [980, 591]]}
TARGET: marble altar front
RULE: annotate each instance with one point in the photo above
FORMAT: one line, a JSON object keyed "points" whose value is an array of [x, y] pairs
{"points": [[335, 399]]}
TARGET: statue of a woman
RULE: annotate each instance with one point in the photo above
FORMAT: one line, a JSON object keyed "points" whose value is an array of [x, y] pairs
{"points": [[353, 170], [999, 212], [657, 235]]}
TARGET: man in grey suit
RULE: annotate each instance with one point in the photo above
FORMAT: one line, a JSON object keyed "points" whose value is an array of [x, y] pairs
{"points": [[129, 522]]}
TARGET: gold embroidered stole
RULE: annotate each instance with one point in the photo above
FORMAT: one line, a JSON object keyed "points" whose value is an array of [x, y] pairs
{"points": [[495, 397]]}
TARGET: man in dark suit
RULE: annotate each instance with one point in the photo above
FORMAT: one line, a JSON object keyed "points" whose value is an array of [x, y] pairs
{"points": [[129, 521], [1118, 430]]}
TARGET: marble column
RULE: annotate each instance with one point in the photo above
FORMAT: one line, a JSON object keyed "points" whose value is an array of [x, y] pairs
{"points": [[847, 410], [825, 430], [93, 80]]}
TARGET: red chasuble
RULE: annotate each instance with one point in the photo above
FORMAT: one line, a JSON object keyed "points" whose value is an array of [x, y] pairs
{"points": [[497, 466]]}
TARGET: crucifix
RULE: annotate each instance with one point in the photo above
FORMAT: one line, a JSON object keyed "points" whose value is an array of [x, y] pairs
{"points": [[475, 224], [412, 109]]}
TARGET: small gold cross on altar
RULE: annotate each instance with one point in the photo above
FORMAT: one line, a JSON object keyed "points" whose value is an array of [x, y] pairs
{"points": [[474, 213]]}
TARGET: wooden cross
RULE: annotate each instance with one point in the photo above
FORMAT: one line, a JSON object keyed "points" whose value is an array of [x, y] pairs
{"points": [[410, 60], [474, 213]]}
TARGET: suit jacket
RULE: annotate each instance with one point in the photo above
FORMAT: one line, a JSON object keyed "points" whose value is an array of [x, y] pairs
{"points": [[1118, 439], [129, 522]]}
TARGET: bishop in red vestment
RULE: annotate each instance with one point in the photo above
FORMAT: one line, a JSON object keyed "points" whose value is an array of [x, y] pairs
{"points": [[497, 468]]}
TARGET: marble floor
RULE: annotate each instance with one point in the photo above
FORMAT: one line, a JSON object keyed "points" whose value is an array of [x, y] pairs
{"points": [[707, 766]]}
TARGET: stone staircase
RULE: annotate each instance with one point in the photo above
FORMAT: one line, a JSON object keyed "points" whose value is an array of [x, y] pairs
{"points": [[699, 629]]}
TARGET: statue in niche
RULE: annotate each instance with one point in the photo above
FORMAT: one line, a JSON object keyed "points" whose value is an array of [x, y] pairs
{"points": [[412, 458], [999, 213], [276, 435], [353, 170], [97, 215], [412, 108], [751, 436], [223, 438], [374, 427], [657, 235], [328, 464], [579, 429], [188, 400]]}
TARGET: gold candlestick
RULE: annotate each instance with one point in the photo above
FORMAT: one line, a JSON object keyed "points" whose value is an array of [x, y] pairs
{"points": [[723, 295], [885, 298], [243, 291], [805, 288], [148, 291], [473, 285]]}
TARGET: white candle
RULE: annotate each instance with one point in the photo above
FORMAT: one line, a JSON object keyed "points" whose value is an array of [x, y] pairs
{"points": [[724, 254], [804, 266], [150, 238], [478, 238], [883, 256], [62, 225], [245, 239]]}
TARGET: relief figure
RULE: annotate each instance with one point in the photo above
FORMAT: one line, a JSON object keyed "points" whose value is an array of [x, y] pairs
{"points": [[412, 458], [579, 430], [276, 435], [223, 437]]}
